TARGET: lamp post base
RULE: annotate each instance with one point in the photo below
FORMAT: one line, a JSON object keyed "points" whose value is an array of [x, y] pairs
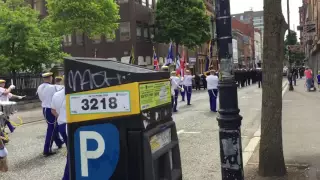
{"points": [[229, 131]]}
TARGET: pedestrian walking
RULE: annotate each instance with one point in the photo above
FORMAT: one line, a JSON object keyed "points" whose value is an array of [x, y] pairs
{"points": [[213, 81], [58, 109], [204, 82], [45, 92], [197, 81], [175, 87], [259, 77], [187, 82], [309, 76]]}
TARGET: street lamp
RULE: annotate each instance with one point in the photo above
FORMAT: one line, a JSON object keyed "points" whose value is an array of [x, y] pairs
{"points": [[290, 75], [228, 118]]}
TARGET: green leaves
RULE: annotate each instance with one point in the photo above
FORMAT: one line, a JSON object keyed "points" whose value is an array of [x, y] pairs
{"points": [[94, 17], [182, 21], [26, 44]]}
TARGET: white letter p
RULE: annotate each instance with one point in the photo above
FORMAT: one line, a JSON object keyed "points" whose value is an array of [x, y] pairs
{"points": [[85, 154]]}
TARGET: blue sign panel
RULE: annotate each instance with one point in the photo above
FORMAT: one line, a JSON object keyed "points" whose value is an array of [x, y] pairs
{"points": [[97, 151]]}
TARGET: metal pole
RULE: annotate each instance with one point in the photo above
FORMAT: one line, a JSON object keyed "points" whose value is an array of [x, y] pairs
{"points": [[228, 118], [289, 61]]}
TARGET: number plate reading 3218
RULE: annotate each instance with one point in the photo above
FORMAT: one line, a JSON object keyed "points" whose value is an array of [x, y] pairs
{"points": [[99, 103]]}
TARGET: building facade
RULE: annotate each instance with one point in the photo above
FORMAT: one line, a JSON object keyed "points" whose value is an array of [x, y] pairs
{"points": [[254, 17], [247, 31], [258, 47], [310, 33], [136, 29]]}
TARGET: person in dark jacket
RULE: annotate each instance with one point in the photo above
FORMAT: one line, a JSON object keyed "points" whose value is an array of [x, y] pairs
{"points": [[197, 81], [204, 81], [259, 77]]}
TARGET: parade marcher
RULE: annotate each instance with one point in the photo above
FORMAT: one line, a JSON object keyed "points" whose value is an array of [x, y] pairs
{"points": [[318, 79], [294, 76], [182, 93], [187, 82], [46, 91], [175, 87], [58, 108], [3, 157], [5, 95], [213, 81], [58, 83]]}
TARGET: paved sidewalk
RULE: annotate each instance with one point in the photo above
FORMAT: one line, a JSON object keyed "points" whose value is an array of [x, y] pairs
{"points": [[301, 127]]}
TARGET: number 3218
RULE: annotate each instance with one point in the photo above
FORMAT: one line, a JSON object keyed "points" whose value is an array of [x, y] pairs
{"points": [[93, 104]]}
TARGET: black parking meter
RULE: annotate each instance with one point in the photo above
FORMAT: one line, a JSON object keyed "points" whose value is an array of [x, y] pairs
{"points": [[120, 123]]}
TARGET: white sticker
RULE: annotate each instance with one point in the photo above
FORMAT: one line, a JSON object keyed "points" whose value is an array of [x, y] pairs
{"points": [[99, 103]]}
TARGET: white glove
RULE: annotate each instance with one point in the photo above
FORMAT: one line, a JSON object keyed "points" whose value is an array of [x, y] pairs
{"points": [[21, 97], [182, 90], [12, 86]]}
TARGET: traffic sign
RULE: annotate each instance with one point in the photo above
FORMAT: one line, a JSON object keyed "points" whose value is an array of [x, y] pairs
{"points": [[97, 151]]}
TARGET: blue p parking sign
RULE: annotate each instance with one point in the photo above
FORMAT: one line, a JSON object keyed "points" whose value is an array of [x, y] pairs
{"points": [[97, 151]]}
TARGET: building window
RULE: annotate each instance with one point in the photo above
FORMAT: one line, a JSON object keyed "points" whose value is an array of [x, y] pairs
{"points": [[79, 38], [151, 31], [122, 1], [96, 39], [39, 6], [150, 4], [138, 1], [139, 31], [144, 2], [146, 32], [124, 31], [67, 40], [110, 37]]}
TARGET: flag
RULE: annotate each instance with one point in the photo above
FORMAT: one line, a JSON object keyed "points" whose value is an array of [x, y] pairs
{"points": [[182, 63], [209, 55], [132, 59], [178, 62], [169, 59], [155, 60]]}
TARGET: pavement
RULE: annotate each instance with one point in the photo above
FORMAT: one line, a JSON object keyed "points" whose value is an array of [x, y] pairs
{"points": [[300, 129], [196, 125]]}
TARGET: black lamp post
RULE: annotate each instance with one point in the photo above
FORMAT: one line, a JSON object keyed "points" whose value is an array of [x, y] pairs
{"points": [[290, 75], [228, 118]]}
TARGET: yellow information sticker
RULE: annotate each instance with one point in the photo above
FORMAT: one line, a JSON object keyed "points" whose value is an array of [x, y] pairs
{"points": [[154, 94]]}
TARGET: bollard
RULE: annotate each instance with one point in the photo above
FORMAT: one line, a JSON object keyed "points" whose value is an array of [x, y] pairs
{"points": [[119, 122], [228, 118]]}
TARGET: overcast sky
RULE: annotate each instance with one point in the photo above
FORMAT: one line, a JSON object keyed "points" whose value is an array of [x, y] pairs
{"points": [[239, 6]]}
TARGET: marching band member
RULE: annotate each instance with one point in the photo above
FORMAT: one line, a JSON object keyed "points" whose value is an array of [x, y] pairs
{"points": [[213, 81], [187, 82], [175, 81], [58, 83], [5, 95], [58, 109], [46, 91], [182, 92], [3, 157]]}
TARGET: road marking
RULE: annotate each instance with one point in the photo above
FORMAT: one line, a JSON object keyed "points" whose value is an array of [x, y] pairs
{"points": [[191, 132], [253, 143], [181, 131]]}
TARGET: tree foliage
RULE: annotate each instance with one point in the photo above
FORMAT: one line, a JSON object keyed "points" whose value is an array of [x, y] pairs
{"points": [[295, 57], [25, 43], [183, 22], [92, 17]]}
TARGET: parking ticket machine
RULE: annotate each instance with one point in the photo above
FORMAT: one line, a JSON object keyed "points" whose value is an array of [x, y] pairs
{"points": [[120, 123]]}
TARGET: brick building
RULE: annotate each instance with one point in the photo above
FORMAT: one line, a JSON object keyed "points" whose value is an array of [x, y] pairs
{"points": [[310, 37], [135, 29], [247, 31]]}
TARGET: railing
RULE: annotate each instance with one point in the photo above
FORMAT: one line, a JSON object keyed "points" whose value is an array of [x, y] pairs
{"points": [[26, 84]]}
